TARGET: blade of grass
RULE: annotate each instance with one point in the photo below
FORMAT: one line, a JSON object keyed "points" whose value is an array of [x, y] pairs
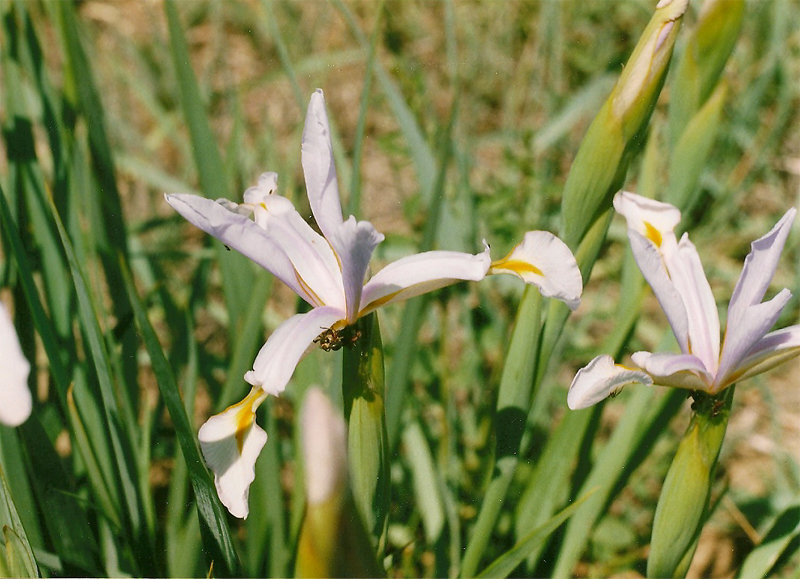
{"points": [[354, 203], [646, 415], [65, 518], [426, 485], [25, 565], [513, 405], [504, 565], [784, 531], [274, 32], [214, 529], [125, 474], [420, 152], [107, 225], [236, 271], [62, 377], [246, 342], [397, 379]]}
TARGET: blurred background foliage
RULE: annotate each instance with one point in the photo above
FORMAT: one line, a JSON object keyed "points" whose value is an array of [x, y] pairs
{"points": [[106, 119]]}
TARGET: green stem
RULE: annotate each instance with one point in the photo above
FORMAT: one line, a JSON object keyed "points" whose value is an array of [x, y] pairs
{"points": [[683, 506], [363, 397]]}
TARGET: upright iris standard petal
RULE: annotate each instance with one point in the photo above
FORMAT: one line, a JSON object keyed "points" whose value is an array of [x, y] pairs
{"points": [[741, 339], [773, 349], [231, 442], [545, 261], [318, 167], [354, 242], [676, 276], [759, 268], [315, 264], [15, 396], [651, 219], [288, 344], [743, 329], [686, 273], [651, 264]]}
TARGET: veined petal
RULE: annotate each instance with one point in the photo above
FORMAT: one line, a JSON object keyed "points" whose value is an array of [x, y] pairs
{"points": [[287, 345], [651, 264], [759, 268], [545, 261], [15, 396], [421, 273], [649, 218], [599, 379], [237, 231], [677, 370], [354, 241], [324, 447], [743, 334], [773, 349], [318, 167], [687, 275], [231, 442]]}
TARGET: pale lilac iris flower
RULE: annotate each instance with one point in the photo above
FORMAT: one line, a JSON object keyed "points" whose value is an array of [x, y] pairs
{"points": [[674, 272], [328, 271]]}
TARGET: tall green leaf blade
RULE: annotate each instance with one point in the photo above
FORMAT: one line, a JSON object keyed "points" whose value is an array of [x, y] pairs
{"points": [[762, 559], [22, 562], [64, 516], [214, 529], [125, 474]]}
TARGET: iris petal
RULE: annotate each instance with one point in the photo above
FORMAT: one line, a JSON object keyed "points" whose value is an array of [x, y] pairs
{"points": [[231, 442], [545, 261], [421, 273], [599, 379], [287, 345]]}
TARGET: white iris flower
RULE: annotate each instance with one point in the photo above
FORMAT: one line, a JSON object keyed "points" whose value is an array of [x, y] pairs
{"points": [[328, 272], [673, 270]]}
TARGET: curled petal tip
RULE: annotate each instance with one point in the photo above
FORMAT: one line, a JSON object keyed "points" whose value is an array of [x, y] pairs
{"points": [[599, 379], [545, 261]]}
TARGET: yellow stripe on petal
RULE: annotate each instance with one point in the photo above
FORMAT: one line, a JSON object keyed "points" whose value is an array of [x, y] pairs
{"points": [[653, 234], [515, 265], [313, 298], [246, 413]]}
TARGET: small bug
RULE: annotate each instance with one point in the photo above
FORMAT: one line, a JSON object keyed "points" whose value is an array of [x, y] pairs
{"points": [[333, 339]]}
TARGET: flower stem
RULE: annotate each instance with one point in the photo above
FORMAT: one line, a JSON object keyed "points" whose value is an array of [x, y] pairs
{"points": [[363, 396], [683, 506]]}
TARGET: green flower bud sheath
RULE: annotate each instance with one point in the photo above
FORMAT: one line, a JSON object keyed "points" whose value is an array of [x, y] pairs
{"points": [[683, 506]]}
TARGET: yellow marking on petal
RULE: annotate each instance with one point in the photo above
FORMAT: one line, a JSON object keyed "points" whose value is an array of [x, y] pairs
{"points": [[246, 414], [309, 292], [652, 234], [335, 254], [516, 265], [624, 367], [375, 304]]}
